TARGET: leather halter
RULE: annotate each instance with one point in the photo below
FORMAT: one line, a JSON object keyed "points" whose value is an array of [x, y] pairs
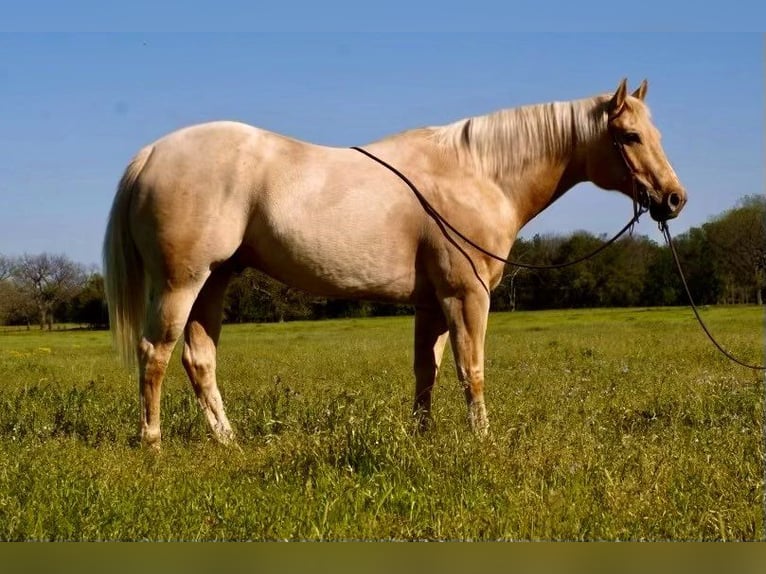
{"points": [[641, 200]]}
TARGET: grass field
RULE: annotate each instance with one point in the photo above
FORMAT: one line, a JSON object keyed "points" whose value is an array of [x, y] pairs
{"points": [[605, 425]]}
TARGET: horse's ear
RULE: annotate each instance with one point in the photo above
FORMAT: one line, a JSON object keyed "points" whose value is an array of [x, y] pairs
{"points": [[618, 99], [640, 92]]}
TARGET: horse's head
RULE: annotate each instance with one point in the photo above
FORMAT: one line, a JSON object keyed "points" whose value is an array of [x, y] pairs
{"points": [[630, 158]]}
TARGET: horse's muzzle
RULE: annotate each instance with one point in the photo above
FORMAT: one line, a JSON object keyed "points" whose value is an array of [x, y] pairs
{"points": [[669, 207]]}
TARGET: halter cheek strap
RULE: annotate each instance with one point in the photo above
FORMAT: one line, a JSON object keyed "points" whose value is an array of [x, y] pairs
{"points": [[640, 200]]}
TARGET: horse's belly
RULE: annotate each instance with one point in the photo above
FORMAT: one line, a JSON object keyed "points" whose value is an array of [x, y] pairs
{"points": [[336, 264], [332, 225]]}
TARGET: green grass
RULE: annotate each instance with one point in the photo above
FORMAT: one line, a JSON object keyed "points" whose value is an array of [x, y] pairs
{"points": [[605, 425]]}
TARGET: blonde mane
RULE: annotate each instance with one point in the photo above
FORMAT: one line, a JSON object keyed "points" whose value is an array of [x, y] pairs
{"points": [[507, 141]]}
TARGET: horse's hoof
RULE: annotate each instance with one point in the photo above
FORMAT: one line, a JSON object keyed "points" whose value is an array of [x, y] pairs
{"points": [[224, 436], [151, 438]]}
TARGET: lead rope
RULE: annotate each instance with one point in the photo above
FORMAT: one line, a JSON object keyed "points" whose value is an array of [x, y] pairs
{"points": [[666, 233], [638, 210]]}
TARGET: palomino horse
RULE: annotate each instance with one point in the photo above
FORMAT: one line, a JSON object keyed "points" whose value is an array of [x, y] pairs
{"points": [[205, 201]]}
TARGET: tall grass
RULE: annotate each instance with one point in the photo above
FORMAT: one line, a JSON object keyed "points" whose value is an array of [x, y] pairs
{"points": [[605, 425]]}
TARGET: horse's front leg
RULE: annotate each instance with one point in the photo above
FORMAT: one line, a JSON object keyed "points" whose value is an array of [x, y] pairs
{"points": [[430, 339], [467, 319]]}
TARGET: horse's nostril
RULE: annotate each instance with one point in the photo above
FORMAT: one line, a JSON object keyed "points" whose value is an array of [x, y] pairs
{"points": [[674, 201]]}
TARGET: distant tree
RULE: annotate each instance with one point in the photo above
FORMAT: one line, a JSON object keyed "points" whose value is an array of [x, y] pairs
{"points": [[253, 296], [614, 277], [661, 286], [7, 266], [737, 243], [7, 288], [88, 306], [623, 270], [504, 297], [14, 309], [698, 261], [579, 285], [532, 289], [47, 281]]}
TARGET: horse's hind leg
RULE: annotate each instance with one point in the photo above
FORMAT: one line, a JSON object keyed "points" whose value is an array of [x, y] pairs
{"points": [[199, 355], [430, 338], [166, 315]]}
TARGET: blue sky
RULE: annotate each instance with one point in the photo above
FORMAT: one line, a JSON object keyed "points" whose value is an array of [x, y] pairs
{"points": [[392, 15], [77, 106]]}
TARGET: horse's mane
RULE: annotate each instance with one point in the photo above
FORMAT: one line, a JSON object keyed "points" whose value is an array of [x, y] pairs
{"points": [[507, 141]]}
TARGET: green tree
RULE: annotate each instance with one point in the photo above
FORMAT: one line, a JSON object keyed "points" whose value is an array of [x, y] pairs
{"points": [[253, 296], [737, 243], [88, 306], [661, 286], [46, 282], [624, 269]]}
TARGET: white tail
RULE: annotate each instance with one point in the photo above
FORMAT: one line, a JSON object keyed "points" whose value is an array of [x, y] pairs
{"points": [[123, 268]]}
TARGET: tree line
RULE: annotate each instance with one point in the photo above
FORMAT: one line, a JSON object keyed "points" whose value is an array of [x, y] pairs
{"points": [[724, 261], [45, 289]]}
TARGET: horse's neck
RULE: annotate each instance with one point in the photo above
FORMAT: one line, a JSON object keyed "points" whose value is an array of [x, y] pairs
{"points": [[537, 185], [534, 154]]}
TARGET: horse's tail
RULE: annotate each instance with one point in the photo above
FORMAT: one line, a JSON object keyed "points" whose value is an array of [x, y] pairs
{"points": [[123, 269]]}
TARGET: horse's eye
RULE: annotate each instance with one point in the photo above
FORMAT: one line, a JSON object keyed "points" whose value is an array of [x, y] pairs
{"points": [[631, 138]]}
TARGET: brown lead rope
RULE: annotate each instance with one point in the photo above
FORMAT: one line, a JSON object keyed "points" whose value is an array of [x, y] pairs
{"points": [[666, 233], [638, 210]]}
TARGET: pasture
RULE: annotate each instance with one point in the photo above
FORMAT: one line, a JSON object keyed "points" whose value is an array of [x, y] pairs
{"points": [[604, 425]]}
